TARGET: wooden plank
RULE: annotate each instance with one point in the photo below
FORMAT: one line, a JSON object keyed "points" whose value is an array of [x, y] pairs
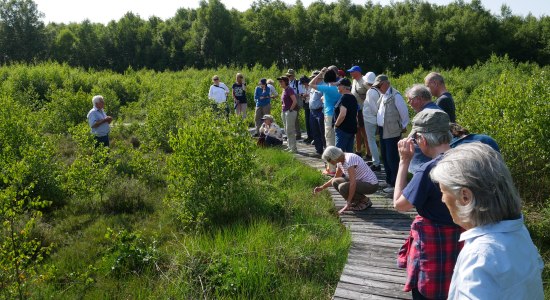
{"points": [[398, 273], [370, 292], [373, 275]]}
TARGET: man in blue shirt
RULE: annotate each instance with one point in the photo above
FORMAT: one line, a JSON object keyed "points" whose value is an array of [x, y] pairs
{"points": [[99, 121]]}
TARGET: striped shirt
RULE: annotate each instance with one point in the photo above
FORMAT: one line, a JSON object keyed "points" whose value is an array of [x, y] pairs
{"points": [[362, 171]]}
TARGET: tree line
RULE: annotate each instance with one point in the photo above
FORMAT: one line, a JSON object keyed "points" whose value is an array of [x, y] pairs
{"points": [[397, 37]]}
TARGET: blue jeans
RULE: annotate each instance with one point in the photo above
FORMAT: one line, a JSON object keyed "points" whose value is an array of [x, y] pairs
{"points": [[344, 140], [390, 155], [307, 113], [371, 138], [317, 126]]}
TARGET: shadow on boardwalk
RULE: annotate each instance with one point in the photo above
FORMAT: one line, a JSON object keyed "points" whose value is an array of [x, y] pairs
{"points": [[377, 234]]}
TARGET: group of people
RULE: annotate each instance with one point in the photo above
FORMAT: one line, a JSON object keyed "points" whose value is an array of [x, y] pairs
{"points": [[218, 92], [468, 240]]}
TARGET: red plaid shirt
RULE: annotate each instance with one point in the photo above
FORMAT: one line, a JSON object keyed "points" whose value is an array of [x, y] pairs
{"points": [[430, 254]]}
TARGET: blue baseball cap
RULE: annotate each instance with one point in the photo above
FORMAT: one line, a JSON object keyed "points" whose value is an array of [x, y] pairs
{"points": [[355, 69]]}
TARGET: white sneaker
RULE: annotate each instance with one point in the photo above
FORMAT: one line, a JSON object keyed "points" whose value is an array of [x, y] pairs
{"points": [[389, 190]]}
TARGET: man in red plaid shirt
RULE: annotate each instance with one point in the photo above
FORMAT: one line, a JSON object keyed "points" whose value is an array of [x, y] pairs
{"points": [[430, 253]]}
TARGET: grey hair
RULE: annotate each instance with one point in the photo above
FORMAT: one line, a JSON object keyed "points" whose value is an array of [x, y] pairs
{"points": [[434, 76], [332, 153], [419, 90], [437, 138], [96, 99], [482, 170]]}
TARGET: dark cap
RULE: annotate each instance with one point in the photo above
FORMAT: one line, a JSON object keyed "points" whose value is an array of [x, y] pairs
{"points": [[430, 120], [345, 82], [304, 79], [341, 73], [263, 81], [379, 79]]}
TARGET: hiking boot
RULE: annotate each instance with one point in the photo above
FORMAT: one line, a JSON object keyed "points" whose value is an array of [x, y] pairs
{"points": [[375, 168]]}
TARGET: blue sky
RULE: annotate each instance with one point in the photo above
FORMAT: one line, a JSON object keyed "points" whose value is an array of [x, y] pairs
{"points": [[103, 11]]}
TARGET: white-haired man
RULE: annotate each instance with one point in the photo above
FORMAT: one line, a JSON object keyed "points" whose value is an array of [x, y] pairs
{"points": [[99, 121]]}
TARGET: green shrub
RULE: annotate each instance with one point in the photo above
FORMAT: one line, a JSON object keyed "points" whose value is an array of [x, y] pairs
{"points": [[514, 108], [90, 172], [209, 168], [65, 110], [28, 181]]}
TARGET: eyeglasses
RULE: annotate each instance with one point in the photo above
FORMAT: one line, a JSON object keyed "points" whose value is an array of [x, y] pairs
{"points": [[415, 137], [216, 79], [411, 99]]}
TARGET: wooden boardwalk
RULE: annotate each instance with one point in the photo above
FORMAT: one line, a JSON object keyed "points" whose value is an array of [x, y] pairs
{"points": [[377, 234]]}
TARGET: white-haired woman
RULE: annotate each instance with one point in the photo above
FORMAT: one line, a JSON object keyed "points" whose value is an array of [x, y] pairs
{"points": [[358, 182], [499, 259]]}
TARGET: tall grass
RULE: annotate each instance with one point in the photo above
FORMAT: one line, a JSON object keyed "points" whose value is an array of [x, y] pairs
{"points": [[294, 247]]}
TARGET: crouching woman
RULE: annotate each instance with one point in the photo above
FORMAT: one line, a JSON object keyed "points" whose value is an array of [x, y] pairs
{"points": [[499, 259], [270, 133], [353, 179]]}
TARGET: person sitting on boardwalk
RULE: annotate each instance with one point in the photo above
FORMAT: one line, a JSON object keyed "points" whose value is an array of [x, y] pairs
{"points": [[499, 259], [270, 133], [432, 248], [461, 136], [353, 180]]}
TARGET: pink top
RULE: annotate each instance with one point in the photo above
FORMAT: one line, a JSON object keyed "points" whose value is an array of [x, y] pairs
{"points": [[362, 171]]}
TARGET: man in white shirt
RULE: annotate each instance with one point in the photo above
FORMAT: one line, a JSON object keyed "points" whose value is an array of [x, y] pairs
{"points": [[370, 110], [392, 119]]}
